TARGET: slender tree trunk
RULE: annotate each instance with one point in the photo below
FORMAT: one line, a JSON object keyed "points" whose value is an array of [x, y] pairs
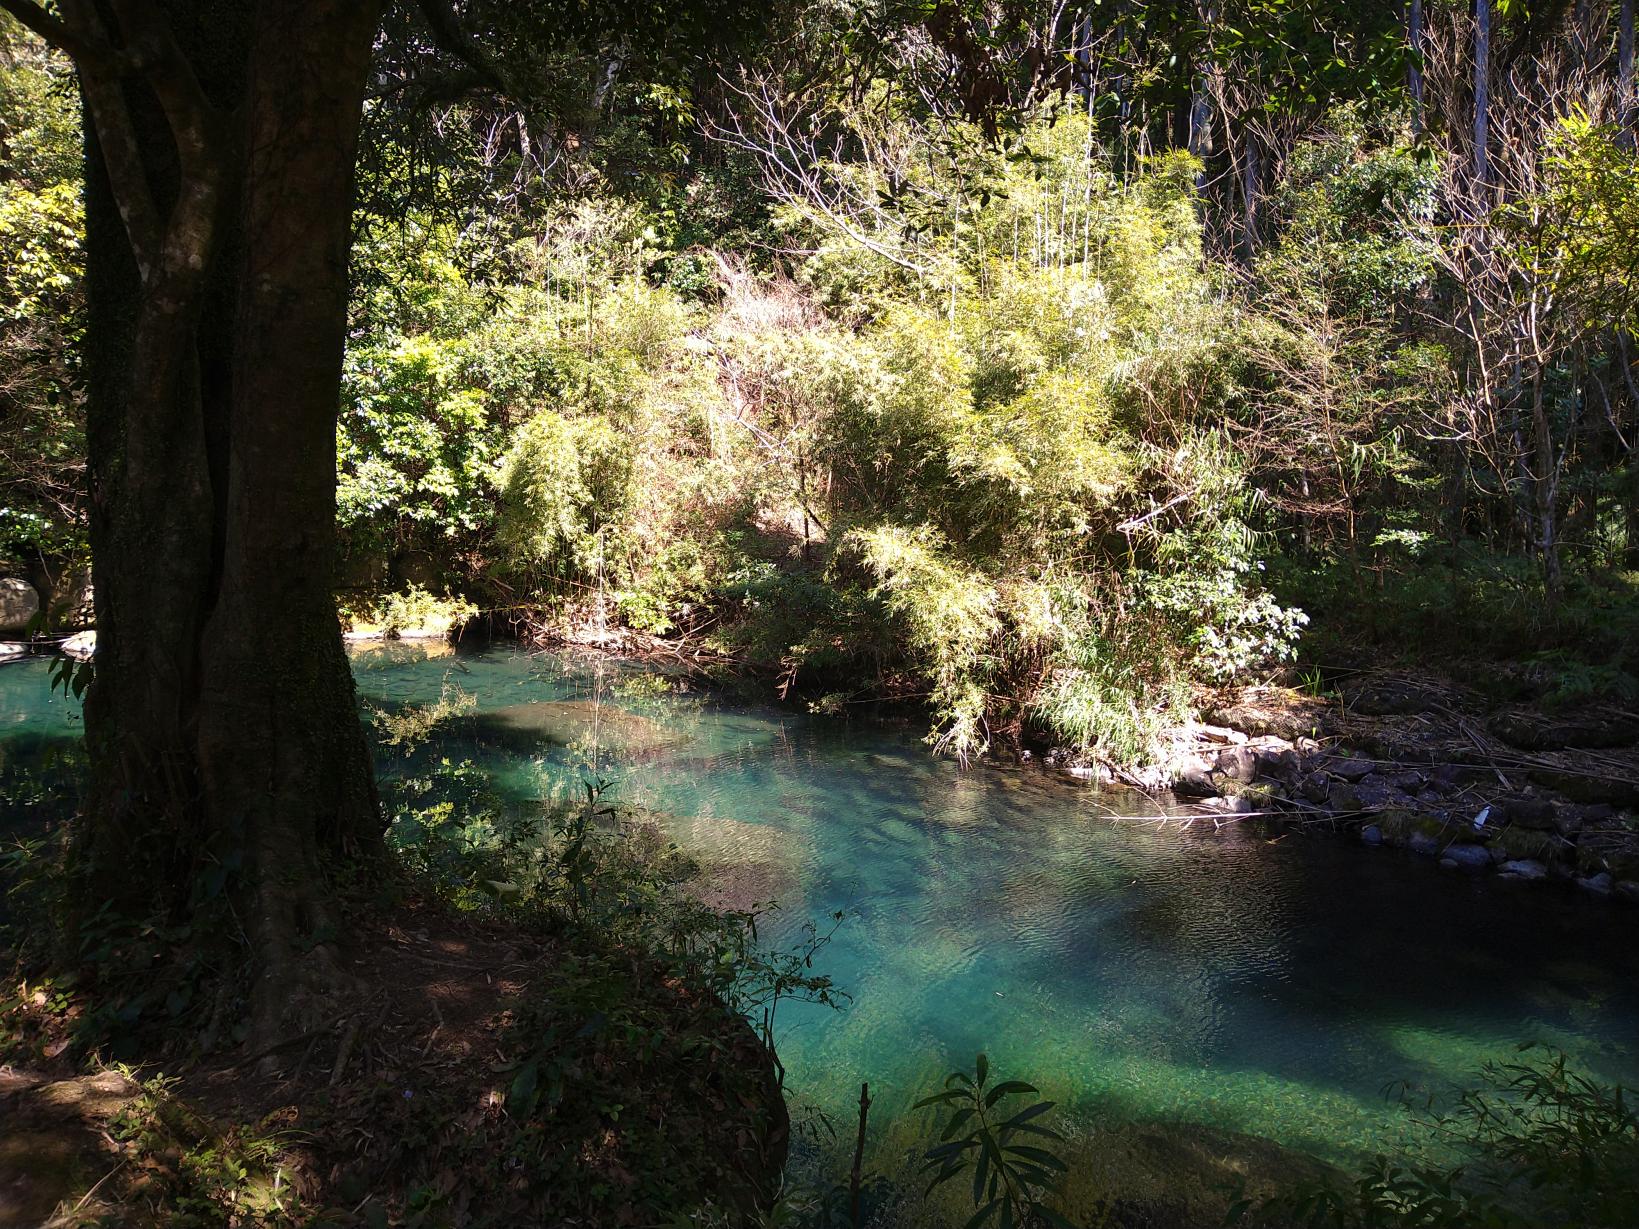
{"points": [[1249, 196], [1414, 63], [1631, 520], [1546, 488], [1482, 90], [1625, 108]]}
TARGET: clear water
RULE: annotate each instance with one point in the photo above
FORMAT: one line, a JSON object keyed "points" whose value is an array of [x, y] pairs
{"points": [[1141, 971]]}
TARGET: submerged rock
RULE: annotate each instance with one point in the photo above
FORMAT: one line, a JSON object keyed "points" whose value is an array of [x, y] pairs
{"points": [[1466, 857], [582, 723], [1599, 885], [1523, 868]]}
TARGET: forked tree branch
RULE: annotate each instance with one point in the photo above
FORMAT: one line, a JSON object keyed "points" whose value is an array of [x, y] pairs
{"points": [[154, 53], [59, 34]]}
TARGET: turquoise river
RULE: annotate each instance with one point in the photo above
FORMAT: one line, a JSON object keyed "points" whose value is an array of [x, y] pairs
{"points": [[1143, 970]]}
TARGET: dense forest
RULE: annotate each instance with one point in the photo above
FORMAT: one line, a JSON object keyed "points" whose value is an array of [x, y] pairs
{"points": [[1041, 372]]}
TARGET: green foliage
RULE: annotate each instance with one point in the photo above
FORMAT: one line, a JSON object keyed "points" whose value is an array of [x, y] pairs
{"points": [[951, 620], [1012, 1178], [414, 723], [414, 612], [199, 1174], [566, 493], [1356, 213], [1476, 602], [600, 869], [1114, 679], [1000, 425], [1577, 232], [1569, 679], [41, 304], [413, 446], [72, 674], [1027, 420]]}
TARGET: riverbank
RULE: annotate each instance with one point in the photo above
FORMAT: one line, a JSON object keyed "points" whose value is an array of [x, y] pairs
{"points": [[473, 1071], [1415, 761], [1482, 779]]}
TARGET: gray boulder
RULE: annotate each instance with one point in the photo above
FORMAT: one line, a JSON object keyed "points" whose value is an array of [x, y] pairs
{"points": [[1534, 813], [1193, 778], [19, 603], [1349, 769], [81, 646], [1237, 764], [72, 601]]}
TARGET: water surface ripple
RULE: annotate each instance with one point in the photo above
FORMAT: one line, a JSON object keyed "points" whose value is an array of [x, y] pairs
{"points": [[1140, 971]]}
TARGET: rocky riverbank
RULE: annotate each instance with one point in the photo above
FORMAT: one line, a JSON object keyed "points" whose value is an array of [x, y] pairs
{"points": [[1531, 793]]}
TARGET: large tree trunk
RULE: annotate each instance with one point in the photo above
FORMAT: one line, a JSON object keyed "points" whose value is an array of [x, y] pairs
{"points": [[274, 677], [221, 722]]}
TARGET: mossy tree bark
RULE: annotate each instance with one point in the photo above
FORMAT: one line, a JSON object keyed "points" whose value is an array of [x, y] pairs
{"points": [[221, 721]]}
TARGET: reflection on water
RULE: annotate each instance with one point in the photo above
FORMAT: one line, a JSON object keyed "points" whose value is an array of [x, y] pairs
{"points": [[1139, 971]]}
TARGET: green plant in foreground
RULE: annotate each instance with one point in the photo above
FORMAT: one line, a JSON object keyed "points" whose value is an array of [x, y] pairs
{"points": [[1011, 1180], [413, 724], [196, 1174]]}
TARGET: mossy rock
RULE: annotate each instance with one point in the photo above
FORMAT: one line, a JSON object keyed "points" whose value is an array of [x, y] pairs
{"points": [[1261, 794], [1397, 823], [1525, 844]]}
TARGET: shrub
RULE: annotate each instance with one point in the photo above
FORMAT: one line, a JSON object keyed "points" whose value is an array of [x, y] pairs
{"points": [[566, 495]]}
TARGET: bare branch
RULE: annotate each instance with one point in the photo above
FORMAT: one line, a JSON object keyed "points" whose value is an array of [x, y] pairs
{"points": [[803, 167]]}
